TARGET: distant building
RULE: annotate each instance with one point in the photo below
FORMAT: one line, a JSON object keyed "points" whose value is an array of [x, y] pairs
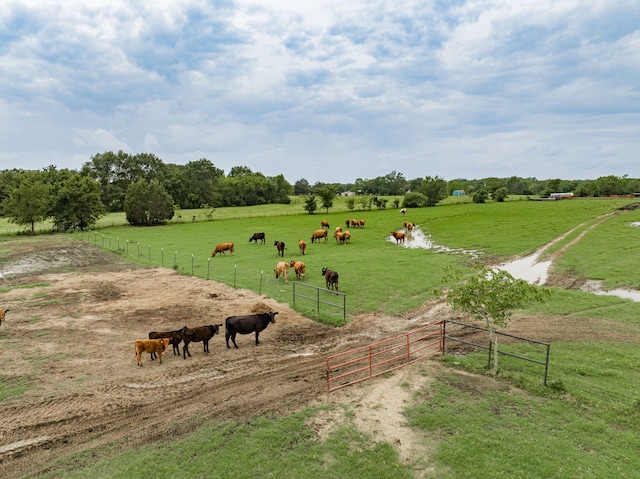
{"points": [[459, 193], [561, 196]]}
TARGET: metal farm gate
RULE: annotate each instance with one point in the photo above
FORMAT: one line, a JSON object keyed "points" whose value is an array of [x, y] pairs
{"points": [[367, 362]]}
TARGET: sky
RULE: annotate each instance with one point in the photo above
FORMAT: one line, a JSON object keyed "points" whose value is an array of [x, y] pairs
{"points": [[329, 91]]}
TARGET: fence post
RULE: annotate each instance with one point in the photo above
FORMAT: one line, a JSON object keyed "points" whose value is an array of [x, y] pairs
{"points": [[235, 275], [127, 252], [546, 365], [191, 264], [175, 260], [149, 253], [260, 288], [162, 257], [208, 266], [138, 250]]}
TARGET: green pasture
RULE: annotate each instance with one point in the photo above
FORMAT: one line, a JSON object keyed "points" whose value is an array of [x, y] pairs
{"points": [[583, 425], [375, 273]]}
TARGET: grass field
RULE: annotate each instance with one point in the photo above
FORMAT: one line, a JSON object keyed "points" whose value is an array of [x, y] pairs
{"points": [[371, 264], [584, 425]]}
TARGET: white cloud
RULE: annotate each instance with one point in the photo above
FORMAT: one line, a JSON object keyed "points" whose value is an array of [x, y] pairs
{"points": [[326, 90]]}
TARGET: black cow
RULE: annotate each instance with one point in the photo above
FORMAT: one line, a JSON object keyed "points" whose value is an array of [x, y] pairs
{"points": [[195, 335], [175, 338], [258, 237], [280, 246], [247, 325], [331, 278]]}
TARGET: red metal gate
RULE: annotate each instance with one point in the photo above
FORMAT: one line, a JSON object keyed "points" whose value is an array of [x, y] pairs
{"points": [[367, 362]]}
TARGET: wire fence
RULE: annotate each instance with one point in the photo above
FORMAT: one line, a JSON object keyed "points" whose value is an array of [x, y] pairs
{"points": [[259, 281]]}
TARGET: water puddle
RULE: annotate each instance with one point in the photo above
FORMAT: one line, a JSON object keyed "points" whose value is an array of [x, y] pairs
{"points": [[528, 268]]}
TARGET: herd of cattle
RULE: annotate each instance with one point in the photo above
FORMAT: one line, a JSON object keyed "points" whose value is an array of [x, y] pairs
{"points": [[341, 236], [160, 340]]}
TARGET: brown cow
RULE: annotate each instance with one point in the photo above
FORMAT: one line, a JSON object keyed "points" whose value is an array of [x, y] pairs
{"points": [[317, 234], [280, 246], [347, 222], [346, 236], [175, 338], [354, 223], [2, 313], [221, 248], [324, 224], [303, 246], [361, 223], [339, 236], [282, 269], [195, 335], [299, 267], [331, 278], [156, 346], [399, 236]]}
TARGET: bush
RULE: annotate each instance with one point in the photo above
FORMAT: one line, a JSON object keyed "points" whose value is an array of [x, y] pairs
{"points": [[148, 203], [414, 200], [500, 194], [480, 196]]}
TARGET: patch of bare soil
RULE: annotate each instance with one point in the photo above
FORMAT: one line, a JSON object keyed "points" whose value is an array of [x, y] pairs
{"points": [[70, 336]]}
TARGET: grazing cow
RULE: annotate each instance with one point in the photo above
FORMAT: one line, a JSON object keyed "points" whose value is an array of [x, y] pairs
{"points": [[150, 346], [346, 236], [338, 229], [361, 222], [317, 234], [347, 222], [282, 269], [354, 223], [339, 237], [2, 313], [399, 236], [247, 325], [175, 338], [403, 211], [324, 224], [221, 248], [331, 278], [299, 267], [195, 335], [280, 247], [303, 246], [258, 237]]}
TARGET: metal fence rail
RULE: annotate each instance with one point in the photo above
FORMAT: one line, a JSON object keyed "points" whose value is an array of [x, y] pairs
{"points": [[378, 358], [298, 292], [544, 363]]}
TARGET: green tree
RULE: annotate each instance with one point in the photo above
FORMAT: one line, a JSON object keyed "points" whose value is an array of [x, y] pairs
{"points": [[480, 196], [76, 203], [326, 194], [435, 189], [500, 194], [148, 203], [301, 187], [414, 199], [310, 204], [29, 202], [351, 203], [491, 296]]}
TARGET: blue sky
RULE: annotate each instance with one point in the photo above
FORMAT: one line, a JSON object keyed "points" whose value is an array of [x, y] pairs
{"points": [[327, 90]]}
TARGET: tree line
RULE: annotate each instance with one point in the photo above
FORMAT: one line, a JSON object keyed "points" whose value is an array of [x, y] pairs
{"points": [[149, 191]]}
